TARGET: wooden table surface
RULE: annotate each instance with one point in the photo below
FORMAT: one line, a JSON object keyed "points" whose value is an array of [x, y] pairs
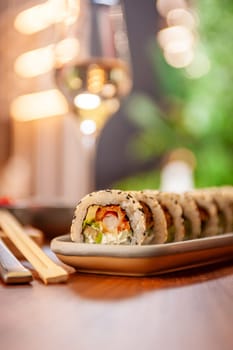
{"points": [[191, 310]]}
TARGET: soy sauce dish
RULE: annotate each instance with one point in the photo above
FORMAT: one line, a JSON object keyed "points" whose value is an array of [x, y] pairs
{"points": [[53, 219]]}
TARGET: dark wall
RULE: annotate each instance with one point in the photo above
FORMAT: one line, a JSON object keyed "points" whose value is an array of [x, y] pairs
{"points": [[113, 158]]}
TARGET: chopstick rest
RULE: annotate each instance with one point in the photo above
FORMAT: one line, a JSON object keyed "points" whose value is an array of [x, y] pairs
{"points": [[47, 270], [11, 270]]}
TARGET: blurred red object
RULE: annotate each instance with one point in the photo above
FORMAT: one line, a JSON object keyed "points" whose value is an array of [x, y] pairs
{"points": [[6, 201]]}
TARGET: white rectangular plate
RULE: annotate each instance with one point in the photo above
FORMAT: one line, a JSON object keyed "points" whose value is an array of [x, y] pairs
{"points": [[143, 260]]}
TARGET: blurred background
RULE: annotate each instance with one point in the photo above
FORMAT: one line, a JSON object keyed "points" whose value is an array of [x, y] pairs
{"points": [[174, 131]]}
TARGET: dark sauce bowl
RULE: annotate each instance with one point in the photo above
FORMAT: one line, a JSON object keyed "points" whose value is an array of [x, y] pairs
{"points": [[52, 220]]}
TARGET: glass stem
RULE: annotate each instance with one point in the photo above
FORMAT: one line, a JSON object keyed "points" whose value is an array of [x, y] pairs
{"points": [[89, 152]]}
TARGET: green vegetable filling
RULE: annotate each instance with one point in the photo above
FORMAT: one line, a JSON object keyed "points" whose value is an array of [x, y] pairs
{"points": [[93, 231]]}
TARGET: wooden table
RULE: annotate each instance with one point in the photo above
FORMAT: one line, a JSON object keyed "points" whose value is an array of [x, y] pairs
{"points": [[190, 310]]}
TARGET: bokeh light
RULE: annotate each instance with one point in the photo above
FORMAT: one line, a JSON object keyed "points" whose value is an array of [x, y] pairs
{"points": [[36, 62], [88, 127], [164, 6], [39, 105], [87, 101], [66, 50], [179, 59], [181, 17], [175, 35], [42, 16]]}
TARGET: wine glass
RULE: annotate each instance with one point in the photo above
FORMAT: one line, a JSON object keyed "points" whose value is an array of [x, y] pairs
{"points": [[93, 67]]}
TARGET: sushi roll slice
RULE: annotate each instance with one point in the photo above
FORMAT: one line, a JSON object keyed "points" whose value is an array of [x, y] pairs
{"points": [[109, 217], [207, 211], [173, 214], [223, 200], [224, 212], [156, 226], [192, 222], [227, 193]]}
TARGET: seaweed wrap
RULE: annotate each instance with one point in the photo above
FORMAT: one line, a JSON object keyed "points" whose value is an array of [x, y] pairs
{"points": [[109, 217]]}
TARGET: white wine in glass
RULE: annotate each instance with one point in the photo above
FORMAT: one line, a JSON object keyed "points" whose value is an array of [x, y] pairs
{"points": [[93, 68]]}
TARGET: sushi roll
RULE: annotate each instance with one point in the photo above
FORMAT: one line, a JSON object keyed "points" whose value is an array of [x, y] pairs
{"points": [[224, 212], [192, 222], [109, 217], [207, 212], [223, 200], [227, 193], [173, 214], [152, 217], [156, 226]]}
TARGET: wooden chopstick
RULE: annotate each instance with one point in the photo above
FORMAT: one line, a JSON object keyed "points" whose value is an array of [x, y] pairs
{"points": [[11, 270], [36, 235], [47, 270]]}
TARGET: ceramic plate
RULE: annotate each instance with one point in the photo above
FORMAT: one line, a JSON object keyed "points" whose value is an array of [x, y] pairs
{"points": [[143, 260]]}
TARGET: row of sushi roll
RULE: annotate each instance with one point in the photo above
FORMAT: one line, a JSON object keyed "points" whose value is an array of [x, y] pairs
{"points": [[152, 217]]}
